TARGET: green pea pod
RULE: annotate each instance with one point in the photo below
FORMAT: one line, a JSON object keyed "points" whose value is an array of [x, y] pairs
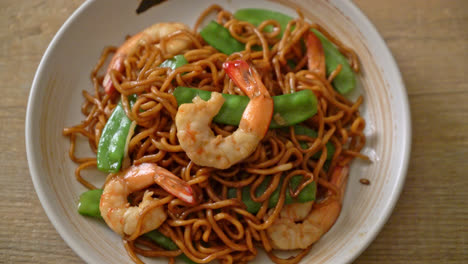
{"points": [[291, 63], [111, 147], [166, 243], [89, 203], [302, 130], [344, 82], [173, 63], [231, 193], [252, 206], [220, 38], [256, 16], [161, 240], [306, 195], [289, 109]]}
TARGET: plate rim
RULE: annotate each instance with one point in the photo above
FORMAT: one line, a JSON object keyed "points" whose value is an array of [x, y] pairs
{"points": [[357, 15], [397, 81], [53, 217]]}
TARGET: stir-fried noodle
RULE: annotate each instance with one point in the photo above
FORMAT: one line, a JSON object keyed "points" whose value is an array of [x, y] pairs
{"points": [[220, 227]]}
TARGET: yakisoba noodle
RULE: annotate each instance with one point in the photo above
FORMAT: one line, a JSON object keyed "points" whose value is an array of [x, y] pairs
{"points": [[219, 228]]}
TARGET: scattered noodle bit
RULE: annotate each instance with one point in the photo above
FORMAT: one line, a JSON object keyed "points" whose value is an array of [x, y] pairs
{"points": [[364, 181]]}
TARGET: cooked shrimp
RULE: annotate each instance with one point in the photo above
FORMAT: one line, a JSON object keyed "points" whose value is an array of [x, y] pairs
{"points": [[287, 234], [296, 211], [123, 218], [193, 122], [152, 34]]}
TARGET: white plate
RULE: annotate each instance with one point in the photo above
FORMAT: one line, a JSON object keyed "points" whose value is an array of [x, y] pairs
{"points": [[55, 101]]}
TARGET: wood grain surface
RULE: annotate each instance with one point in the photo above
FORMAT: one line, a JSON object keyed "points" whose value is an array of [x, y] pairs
{"points": [[429, 40]]}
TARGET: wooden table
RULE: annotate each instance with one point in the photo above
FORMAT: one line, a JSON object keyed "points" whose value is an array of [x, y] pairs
{"points": [[429, 39]]}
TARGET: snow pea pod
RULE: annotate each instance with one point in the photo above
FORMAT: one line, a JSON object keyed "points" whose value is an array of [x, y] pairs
{"points": [[220, 38], [289, 109], [302, 130], [173, 63], [161, 240], [306, 195], [89, 203], [166, 243], [256, 16], [344, 82], [111, 147]]}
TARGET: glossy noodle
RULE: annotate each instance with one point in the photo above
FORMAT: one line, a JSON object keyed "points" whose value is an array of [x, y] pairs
{"points": [[218, 225]]}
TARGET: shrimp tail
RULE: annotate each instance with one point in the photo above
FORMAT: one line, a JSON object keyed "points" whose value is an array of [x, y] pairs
{"points": [[315, 55], [116, 64], [174, 185], [260, 107], [339, 178]]}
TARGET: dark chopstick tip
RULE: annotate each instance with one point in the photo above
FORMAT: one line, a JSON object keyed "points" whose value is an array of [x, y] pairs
{"points": [[147, 4]]}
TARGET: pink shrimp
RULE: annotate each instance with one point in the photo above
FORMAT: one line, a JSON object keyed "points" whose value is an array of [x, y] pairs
{"points": [[287, 234], [152, 34], [193, 122], [123, 218]]}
